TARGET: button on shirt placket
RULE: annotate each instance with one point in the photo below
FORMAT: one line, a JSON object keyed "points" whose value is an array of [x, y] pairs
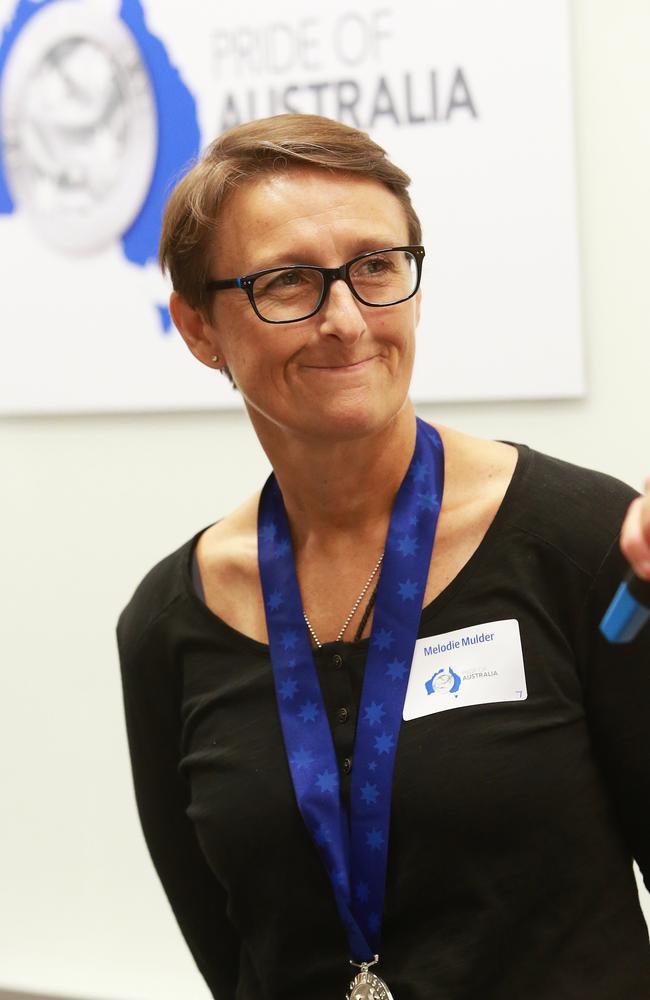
{"points": [[338, 696]]}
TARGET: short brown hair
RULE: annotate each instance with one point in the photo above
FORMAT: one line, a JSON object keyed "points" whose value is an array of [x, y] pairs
{"points": [[245, 152]]}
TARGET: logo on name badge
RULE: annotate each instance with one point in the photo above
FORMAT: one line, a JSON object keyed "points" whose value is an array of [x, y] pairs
{"points": [[445, 680], [79, 126]]}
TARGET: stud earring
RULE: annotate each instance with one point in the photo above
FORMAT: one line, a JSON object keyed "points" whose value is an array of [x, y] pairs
{"points": [[215, 357]]}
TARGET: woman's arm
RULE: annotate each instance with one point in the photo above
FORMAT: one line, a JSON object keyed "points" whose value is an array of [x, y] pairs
{"points": [[196, 897]]}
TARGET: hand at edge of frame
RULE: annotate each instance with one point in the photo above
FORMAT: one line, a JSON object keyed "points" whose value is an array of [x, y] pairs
{"points": [[635, 534]]}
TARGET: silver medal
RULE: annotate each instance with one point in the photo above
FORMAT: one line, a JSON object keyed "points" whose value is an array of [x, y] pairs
{"points": [[367, 986]]}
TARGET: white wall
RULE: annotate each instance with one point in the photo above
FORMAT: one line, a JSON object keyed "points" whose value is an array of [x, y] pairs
{"points": [[88, 504]]}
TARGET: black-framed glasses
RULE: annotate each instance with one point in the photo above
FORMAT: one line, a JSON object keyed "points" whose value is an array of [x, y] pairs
{"points": [[293, 293]]}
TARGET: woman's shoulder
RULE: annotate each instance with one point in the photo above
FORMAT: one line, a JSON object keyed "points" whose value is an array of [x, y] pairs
{"points": [[576, 509], [545, 476], [229, 546], [563, 504], [226, 559], [565, 491], [225, 552], [164, 601], [159, 590]]}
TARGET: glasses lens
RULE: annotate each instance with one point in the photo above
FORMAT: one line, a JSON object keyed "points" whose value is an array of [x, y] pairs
{"points": [[385, 278], [288, 293]]}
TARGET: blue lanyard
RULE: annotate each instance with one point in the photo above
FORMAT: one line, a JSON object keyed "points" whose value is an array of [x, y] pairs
{"points": [[354, 849]]}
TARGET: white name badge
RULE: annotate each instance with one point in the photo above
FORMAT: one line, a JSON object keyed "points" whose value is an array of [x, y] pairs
{"points": [[479, 665]]}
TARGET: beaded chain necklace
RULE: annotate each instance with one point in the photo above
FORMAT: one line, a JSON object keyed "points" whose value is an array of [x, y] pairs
{"points": [[355, 606]]}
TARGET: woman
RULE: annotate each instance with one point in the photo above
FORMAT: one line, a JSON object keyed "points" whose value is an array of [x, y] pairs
{"points": [[265, 747]]}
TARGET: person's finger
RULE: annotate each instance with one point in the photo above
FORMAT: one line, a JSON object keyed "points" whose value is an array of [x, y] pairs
{"points": [[635, 536]]}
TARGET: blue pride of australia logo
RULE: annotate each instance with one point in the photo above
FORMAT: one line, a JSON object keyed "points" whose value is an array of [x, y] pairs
{"points": [[444, 680], [96, 123]]}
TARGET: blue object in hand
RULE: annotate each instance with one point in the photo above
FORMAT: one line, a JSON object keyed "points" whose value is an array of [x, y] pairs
{"points": [[629, 611]]}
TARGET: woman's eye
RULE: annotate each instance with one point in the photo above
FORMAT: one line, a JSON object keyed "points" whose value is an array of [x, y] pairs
{"points": [[286, 279], [375, 267]]}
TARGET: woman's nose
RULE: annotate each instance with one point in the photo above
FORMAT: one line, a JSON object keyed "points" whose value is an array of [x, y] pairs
{"points": [[341, 314]]}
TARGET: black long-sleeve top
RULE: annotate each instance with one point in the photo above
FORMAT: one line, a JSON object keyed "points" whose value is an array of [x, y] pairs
{"points": [[513, 825]]}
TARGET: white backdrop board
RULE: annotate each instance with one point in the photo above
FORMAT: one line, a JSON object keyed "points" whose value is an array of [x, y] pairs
{"points": [[104, 102]]}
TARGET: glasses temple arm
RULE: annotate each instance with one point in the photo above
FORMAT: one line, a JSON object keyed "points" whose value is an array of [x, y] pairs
{"points": [[226, 283]]}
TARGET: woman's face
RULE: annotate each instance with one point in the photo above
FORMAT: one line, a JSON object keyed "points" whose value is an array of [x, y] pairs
{"points": [[345, 371]]}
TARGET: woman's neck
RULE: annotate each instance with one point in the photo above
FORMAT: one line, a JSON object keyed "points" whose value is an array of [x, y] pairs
{"points": [[337, 489]]}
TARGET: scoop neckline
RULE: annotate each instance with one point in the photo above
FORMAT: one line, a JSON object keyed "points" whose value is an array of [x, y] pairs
{"points": [[429, 611]]}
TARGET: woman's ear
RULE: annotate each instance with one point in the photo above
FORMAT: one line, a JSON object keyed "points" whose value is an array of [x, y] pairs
{"points": [[196, 331]]}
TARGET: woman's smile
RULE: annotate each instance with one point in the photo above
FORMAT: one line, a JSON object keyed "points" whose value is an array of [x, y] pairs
{"points": [[344, 368]]}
